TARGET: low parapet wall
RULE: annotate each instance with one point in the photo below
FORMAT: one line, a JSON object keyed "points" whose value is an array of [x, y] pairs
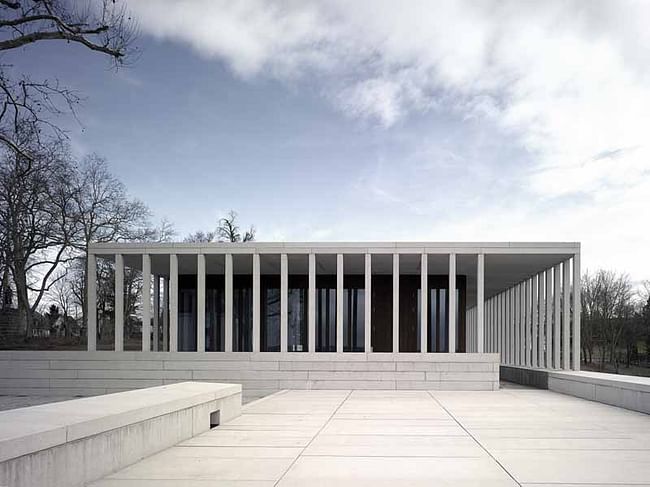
{"points": [[73, 442], [260, 374], [625, 391]]}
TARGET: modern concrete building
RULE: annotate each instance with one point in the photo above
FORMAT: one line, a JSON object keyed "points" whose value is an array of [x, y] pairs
{"points": [[339, 303]]}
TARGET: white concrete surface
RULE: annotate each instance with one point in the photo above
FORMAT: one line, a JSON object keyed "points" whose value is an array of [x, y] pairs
{"points": [[70, 443], [90, 373], [624, 391], [512, 437]]}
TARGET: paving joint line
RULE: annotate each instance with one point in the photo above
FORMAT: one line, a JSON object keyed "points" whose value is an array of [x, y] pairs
{"points": [[475, 440], [313, 438]]}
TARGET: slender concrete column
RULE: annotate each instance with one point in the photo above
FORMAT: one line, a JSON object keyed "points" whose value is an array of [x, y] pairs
{"points": [[492, 334], [311, 304], [367, 316], [499, 326], [156, 312], [91, 303], [256, 303], [165, 337], [228, 303], [491, 348], [566, 315], [173, 303], [504, 328], [575, 359], [284, 303], [549, 318], [509, 335], [146, 302], [542, 320], [522, 323], [395, 303], [339, 302], [488, 325], [528, 322], [557, 339], [200, 303], [535, 320], [424, 302], [452, 303], [119, 302], [469, 337], [480, 304], [517, 323]]}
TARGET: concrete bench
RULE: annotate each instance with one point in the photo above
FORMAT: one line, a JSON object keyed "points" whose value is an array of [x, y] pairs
{"points": [[73, 442], [625, 391]]}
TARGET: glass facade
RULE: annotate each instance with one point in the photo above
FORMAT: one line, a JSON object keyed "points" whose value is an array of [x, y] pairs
{"points": [[297, 325], [326, 313], [186, 313], [270, 313], [354, 296], [353, 313], [214, 314], [242, 314]]}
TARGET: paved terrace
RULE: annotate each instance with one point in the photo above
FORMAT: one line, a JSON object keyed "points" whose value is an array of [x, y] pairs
{"points": [[515, 436]]}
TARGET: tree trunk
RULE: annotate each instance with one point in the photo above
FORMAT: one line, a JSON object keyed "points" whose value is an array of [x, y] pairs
{"points": [[22, 298]]}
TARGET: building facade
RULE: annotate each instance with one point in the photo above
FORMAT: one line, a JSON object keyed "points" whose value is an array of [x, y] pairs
{"points": [[345, 302]]}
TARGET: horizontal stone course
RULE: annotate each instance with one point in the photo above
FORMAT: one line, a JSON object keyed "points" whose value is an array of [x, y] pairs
{"points": [[55, 373]]}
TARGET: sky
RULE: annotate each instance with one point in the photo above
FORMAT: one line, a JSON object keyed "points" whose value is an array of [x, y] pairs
{"points": [[371, 120]]}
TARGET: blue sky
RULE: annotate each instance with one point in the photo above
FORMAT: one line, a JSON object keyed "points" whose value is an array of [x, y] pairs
{"points": [[339, 121]]}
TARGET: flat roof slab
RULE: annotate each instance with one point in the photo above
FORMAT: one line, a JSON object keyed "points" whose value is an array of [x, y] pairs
{"points": [[514, 436]]}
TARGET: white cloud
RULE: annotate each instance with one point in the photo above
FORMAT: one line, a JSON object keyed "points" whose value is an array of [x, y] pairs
{"points": [[569, 82]]}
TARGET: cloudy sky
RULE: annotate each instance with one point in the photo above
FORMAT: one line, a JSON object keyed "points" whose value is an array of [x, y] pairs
{"points": [[372, 120]]}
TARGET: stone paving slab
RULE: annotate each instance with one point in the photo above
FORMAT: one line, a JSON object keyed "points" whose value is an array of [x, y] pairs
{"points": [[511, 437]]}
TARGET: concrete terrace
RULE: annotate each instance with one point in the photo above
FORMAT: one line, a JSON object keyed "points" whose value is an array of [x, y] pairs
{"points": [[514, 436]]}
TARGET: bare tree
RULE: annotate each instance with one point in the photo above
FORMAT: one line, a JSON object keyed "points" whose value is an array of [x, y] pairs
{"points": [[107, 30], [608, 311], [228, 230], [65, 299], [105, 213], [201, 237], [36, 219]]}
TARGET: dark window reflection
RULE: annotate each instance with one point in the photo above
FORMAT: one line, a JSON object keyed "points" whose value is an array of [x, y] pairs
{"points": [[214, 313], [353, 314], [242, 314], [438, 321], [187, 317], [270, 313], [297, 314], [326, 313]]}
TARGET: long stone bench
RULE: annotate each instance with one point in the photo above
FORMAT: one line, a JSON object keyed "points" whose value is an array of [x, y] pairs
{"points": [[625, 391], [73, 442]]}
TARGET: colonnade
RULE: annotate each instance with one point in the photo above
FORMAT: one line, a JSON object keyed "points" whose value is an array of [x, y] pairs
{"points": [[152, 310], [535, 322]]}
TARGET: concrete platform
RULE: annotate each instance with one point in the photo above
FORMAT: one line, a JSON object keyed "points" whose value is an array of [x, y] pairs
{"points": [[514, 436], [70, 443]]}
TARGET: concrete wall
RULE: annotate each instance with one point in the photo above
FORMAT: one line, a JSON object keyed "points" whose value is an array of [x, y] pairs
{"points": [[526, 377], [91, 373], [624, 391], [71, 443]]}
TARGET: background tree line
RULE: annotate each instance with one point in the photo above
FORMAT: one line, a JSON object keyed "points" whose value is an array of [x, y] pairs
{"points": [[615, 327]]}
